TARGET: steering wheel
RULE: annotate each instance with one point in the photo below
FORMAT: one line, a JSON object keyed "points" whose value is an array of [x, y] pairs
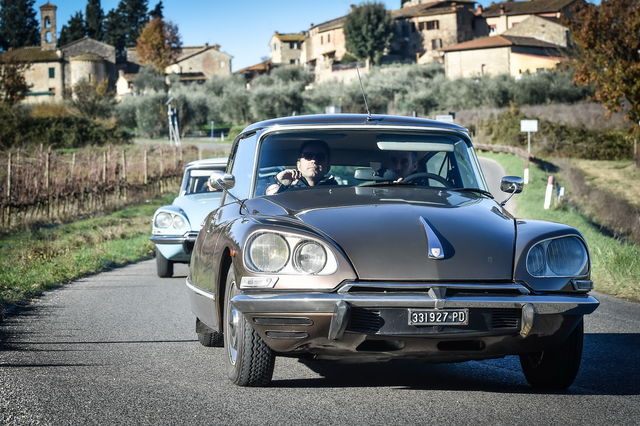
{"points": [[428, 176]]}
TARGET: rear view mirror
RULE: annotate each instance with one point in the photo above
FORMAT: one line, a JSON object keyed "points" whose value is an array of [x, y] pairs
{"points": [[222, 180], [512, 184]]}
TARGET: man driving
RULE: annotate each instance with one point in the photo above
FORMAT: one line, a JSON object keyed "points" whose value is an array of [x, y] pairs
{"points": [[311, 169], [401, 163]]}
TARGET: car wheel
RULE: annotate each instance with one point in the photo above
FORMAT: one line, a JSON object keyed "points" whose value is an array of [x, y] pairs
{"points": [[163, 265], [249, 360], [208, 337], [555, 367]]}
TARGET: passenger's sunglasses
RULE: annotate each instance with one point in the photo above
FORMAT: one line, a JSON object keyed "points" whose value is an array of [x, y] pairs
{"points": [[318, 156]]}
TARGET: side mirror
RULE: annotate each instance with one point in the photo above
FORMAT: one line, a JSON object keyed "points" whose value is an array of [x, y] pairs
{"points": [[512, 184], [222, 180]]}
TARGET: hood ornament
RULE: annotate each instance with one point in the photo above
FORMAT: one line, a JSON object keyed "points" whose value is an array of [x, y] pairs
{"points": [[434, 246]]}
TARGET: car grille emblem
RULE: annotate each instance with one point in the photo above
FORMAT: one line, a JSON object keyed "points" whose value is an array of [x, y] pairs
{"points": [[434, 246]]}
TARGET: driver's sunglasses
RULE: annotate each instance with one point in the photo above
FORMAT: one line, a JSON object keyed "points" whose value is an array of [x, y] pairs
{"points": [[318, 156]]}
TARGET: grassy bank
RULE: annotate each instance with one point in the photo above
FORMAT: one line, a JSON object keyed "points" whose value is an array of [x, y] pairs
{"points": [[36, 260], [615, 263]]}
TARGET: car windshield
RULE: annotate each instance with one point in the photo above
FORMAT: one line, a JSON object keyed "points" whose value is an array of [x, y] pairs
{"points": [[195, 181], [361, 158]]}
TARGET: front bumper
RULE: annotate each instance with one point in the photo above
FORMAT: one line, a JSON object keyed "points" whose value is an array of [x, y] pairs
{"points": [[175, 247], [371, 319]]}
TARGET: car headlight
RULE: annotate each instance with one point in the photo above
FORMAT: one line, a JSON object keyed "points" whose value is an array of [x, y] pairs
{"points": [[309, 257], [287, 253], [169, 222], [558, 257], [163, 220], [268, 252]]}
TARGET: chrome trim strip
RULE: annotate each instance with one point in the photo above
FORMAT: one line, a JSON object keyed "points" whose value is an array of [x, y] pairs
{"points": [[426, 286], [325, 303], [435, 250], [199, 291]]}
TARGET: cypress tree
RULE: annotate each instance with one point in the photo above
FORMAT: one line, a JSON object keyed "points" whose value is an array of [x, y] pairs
{"points": [[18, 24], [74, 29], [94, 20]]}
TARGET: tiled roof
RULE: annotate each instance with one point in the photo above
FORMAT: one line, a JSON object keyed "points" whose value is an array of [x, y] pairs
{"points": [[262, 66], [526, 7], [499, 41], [290, 36], [426, 8], [332, 24], [31, 54]]}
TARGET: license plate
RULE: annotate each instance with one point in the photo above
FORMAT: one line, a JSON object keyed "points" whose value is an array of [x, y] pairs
{"points": [[438, 316]]}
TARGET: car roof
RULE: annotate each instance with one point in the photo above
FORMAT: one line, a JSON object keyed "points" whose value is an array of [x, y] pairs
{"points": [[206, 162], [357, 119]]}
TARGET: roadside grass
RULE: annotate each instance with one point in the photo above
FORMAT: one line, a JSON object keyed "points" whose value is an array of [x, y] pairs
{"points": [[621, 178], [39, 259], [615, 263]]}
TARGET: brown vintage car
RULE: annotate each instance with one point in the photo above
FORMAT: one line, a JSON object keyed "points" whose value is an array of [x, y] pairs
{"points": [[393, 249]]}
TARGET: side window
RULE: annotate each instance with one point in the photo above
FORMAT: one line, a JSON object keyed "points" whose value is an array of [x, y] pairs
{"points": [[242, 166], [438, 164]]}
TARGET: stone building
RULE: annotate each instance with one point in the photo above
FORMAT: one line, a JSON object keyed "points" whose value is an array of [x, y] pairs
{"points": [[286, 48], [422, 29], [501, 54], [54, 71], [501, 17]]}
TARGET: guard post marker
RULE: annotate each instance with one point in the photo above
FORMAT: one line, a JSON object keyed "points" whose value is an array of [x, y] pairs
{"points": [[548, 193]]}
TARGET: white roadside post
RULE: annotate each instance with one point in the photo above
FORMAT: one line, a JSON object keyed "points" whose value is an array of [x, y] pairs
{"points": [[528, 126], [548, 193]]}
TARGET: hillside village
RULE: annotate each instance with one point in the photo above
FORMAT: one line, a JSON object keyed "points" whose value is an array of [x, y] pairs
{"points": [[505, 38]]}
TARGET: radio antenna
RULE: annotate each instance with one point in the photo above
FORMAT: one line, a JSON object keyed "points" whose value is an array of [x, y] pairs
{"points": [[364, 96]]}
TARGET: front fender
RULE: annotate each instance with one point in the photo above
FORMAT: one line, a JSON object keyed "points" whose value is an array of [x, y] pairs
{"points": [[528, 233]]}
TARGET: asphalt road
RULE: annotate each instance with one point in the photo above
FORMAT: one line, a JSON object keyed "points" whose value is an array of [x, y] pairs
{"points": [[120, 348]]}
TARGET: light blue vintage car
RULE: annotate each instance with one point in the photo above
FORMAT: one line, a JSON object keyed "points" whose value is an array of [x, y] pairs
{"points": [[176, 227]]}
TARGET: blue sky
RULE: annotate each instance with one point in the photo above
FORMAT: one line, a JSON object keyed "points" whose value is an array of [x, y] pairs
{"points": [[242, 28]]}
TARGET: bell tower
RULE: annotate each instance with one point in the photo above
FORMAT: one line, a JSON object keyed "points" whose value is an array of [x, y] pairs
{"points": [[48, 39]]}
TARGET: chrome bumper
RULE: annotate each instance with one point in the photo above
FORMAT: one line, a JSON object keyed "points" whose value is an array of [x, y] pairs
{"points": [[189, 237]]}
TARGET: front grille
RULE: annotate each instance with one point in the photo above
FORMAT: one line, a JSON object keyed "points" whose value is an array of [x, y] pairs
{"points": [[365, 321], [505, 318]]}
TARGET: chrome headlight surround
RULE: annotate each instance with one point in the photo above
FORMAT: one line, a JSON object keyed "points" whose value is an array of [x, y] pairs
{"points": [[564, 256], [299, 247], [166, 222]]}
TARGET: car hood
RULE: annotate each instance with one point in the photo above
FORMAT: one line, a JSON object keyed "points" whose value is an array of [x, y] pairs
{"points": [[383, 231], [197, 206]]}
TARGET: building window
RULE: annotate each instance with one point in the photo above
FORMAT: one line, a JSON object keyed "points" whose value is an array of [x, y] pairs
{"points": [[293, 61], [52, 91], [52, 72], [328, 38], [492, 28], [433, 25], [436, 43], [294, 45], [321, 39]]}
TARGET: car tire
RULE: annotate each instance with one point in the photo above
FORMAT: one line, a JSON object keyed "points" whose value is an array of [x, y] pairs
{"points": [[556, 367], [163, 265], [249, 360], [209, 338]]}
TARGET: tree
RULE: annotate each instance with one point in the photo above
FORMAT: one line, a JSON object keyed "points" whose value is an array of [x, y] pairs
{"points": [[368, 30], [93, 99], [123, 25], [114, 29], [608, 57], [75, 29], [157, 11], [13, 85], [18, 24], [159, 44], [94, 20]]}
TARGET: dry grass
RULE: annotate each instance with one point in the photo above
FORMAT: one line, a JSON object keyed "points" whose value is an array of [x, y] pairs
{"points": [[621, 178]]}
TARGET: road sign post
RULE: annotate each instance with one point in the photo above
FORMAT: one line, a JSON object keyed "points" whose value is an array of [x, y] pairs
{"points": [[528, 126]]}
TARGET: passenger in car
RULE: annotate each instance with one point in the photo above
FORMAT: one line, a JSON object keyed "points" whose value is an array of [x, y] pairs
{"points": [[402, 163], [312, 166]]}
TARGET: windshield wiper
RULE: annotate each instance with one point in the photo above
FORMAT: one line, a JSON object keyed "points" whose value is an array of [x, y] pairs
{"points": [[389, 183], [478, 190]]}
